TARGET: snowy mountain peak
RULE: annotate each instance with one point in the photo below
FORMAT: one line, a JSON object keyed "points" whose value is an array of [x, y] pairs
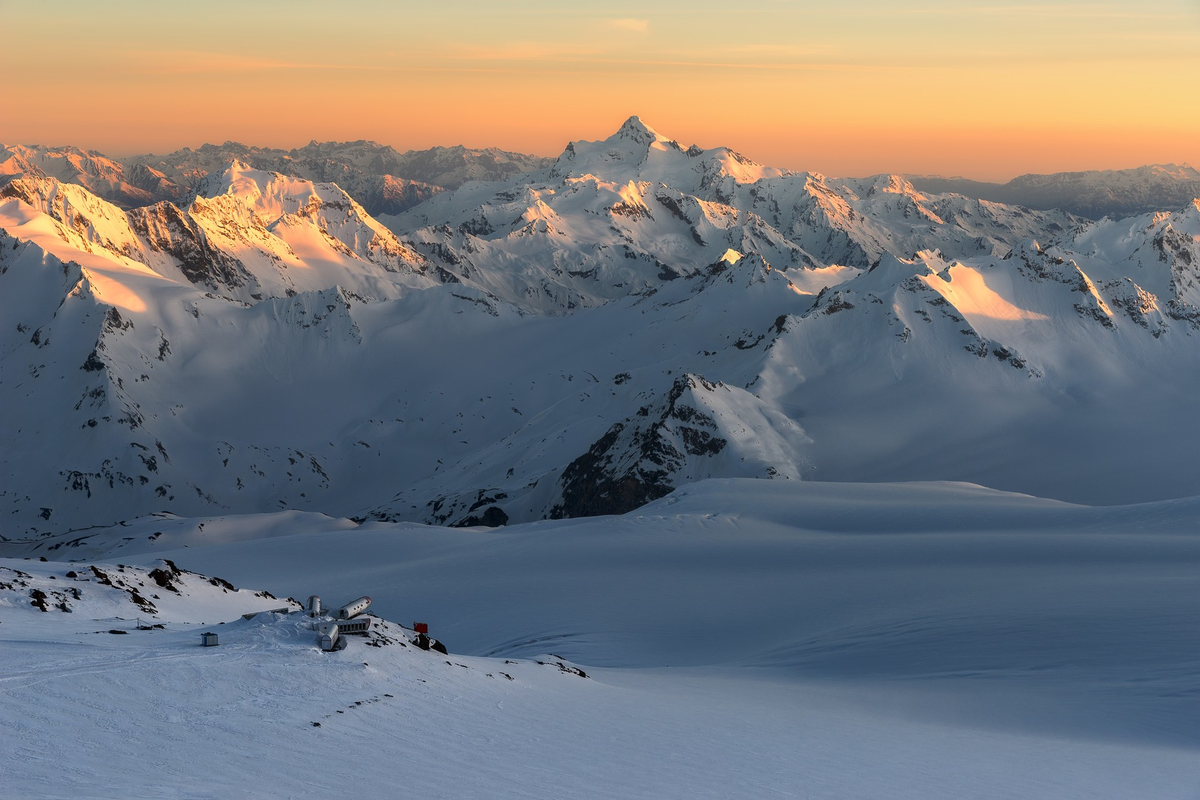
{"points": [[272, 195], [639, 153], [891, 184], [638, 131], [237, 179], [625, 155]]}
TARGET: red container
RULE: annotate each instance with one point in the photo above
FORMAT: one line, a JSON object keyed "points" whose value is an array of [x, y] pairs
{"points": [[421, 627]]}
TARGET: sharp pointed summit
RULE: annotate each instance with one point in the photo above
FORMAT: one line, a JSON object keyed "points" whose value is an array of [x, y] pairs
{"points": [[636, 150], [638, 131]]}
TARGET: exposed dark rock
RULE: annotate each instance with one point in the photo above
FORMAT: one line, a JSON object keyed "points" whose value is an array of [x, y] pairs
{"points": [[165, 575], [93, 363], [636, 460], [493, 517], [426, 642], [39, 600], [166, 228]]}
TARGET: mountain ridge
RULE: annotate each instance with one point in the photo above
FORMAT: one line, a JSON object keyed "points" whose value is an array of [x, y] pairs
{"points": [[380, 177], [1088, 193], [631, 318]]}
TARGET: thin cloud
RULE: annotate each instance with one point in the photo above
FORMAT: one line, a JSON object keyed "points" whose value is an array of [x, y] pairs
{"points": [[1073, 10], [210, 63], [629, 24], [517, 51]]}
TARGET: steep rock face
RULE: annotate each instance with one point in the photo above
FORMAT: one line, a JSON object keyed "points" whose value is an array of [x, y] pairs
{"points": [[68, 379], [328, 313], [392, 195], [166, 229], [155, 183], [701, 429]]}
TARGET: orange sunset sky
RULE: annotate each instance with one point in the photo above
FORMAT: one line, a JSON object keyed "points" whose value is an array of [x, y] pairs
{"points": [[986, 90]]}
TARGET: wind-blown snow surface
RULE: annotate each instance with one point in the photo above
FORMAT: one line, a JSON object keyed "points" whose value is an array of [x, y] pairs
{"points": [[741, 638]]}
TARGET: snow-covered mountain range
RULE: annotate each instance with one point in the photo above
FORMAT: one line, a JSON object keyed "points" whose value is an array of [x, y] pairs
{"points": [[1093, 194], [624, 215], [382, 179], [579, 337], [127, 186]]}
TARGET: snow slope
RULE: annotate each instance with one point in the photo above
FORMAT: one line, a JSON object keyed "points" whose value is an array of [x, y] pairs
{"points": [[1158, 254], [739, 637]]}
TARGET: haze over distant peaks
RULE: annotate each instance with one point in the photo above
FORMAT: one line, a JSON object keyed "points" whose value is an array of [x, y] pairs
{"points": [[1093, 193]]}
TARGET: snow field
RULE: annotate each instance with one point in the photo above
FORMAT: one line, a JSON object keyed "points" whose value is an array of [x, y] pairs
{"points": [[741, 638]]}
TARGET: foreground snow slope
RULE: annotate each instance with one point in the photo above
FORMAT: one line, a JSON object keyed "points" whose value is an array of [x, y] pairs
{"points": [[742, 638]]}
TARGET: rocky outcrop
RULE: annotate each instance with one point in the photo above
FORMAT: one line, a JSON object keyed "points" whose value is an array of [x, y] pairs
{"points": [[644, 457]]}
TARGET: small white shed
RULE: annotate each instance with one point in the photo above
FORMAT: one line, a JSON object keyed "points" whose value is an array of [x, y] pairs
{"points": [[327, 635]]}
